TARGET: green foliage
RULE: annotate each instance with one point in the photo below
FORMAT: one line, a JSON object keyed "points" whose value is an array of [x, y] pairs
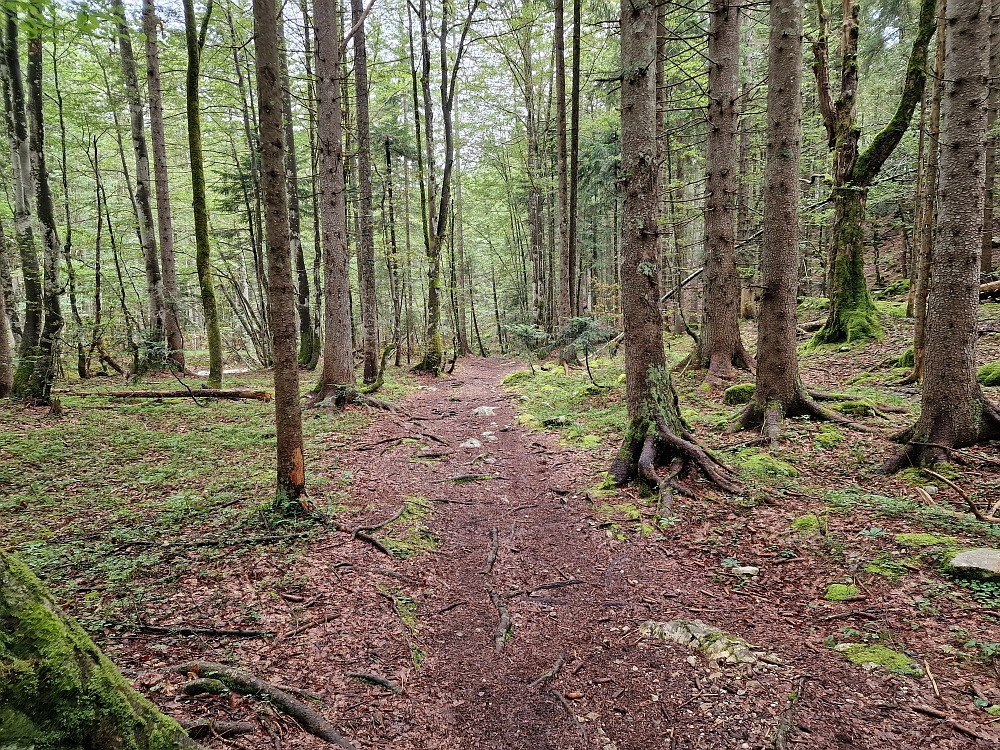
{"points": [[989, 374], [739, 394], [986, 593]]}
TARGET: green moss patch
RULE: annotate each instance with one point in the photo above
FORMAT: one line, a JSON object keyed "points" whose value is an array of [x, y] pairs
{"points": [[407, 536], [762, 464], [829, 437], [807, 524], [838, 592], [859, 408], [989, 374], [739, 394], [886, 567], [924, 540], [517, 377], [881, 656]]}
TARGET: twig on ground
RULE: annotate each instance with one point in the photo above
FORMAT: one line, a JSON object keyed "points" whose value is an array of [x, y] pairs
{"points": [[248, 684], [448, 608], [305, 627], [470, 478], [551, 674], [375, 679], [378, 526], [572, 716], [956, 725], [930, 676], [218, 542]]}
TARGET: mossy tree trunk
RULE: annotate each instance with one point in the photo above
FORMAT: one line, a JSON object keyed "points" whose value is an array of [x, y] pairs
{"points": [[281, 291], [56, 687], [954, 413], [655, 431], [720, 346], [853, 315], [203, 249], [6, 354]]}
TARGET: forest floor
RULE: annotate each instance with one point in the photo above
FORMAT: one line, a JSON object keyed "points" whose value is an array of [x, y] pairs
{"points": [[155, 513]]}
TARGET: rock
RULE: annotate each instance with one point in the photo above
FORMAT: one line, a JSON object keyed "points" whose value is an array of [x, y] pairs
{"points": [[484, 411], [746, 570], [982, 563], [931, 489], [710, 641], [471, 443]]}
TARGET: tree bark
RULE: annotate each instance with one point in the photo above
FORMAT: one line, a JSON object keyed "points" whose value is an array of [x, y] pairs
{"points": [[954, 413], [565, 309], [993, 101], [203, 251], [147, 227], [281, 291], [59, 690], [6, 353], [338, 355], [655, 427], [720, 346], [366, 238], [164, 219], [573, 227], [852, 311], [17, 134]]}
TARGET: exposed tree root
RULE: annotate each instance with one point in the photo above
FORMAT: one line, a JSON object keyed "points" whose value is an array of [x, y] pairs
{"points": [[374, 679], [201, 729], [551, 674], [980, 516], [201, 393], [343, 395], [503, 624], [932, 446], [246, 684], [769, 417], [722, 365]]}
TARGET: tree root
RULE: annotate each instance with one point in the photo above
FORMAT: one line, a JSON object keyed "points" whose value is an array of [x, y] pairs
{"points": [[342, 395], [980, 516], [491, 556], [503, 625], [769, 417], [246, 684], [200, 729], [551, 674], [940, 445], [374, 679], [380, 378]]}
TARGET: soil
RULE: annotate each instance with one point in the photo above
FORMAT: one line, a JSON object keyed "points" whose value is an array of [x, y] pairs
{"points": [[576, 594]]}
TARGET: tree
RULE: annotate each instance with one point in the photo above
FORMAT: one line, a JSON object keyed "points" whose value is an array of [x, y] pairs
{"points": [[58, 689], [143, 197], [164, 220], [281, 291], [720, 346], [954, 413], [338, 356], [203, 250], [366, 235], [655, 429], [6, 354], [852, 310], [565, 306], [779, 391]]}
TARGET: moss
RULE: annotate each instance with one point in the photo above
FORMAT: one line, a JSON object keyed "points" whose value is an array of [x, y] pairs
{"points": [[890, 660], [588, 442], [989, 374], [517, 377], [838, 592], [739, 394], [764, 464], [829, 437], [530, 421], [807, 524], [917, 477], [859, 408], [905, 359], [924, 540], [886, 567], [407, 536], [56, 687]]}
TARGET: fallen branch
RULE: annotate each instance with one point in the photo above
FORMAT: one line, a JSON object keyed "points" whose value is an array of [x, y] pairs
{"points": [[201, 393], [246, 684], [980, 516], [359, 534], [551, 674], [544, 586], [471, 478], [572, 716], [375, 679], [956, 725], [386, 522], [184, 630]]}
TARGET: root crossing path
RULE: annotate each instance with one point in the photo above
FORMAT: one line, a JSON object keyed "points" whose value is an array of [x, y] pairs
{"points": [[514, 621]]}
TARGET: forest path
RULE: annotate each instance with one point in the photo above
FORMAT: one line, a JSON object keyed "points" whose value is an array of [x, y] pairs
{"points": [[617, 690]]}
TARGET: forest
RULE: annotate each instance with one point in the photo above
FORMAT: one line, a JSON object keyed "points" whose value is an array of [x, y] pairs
{"points": [[452, 374]]}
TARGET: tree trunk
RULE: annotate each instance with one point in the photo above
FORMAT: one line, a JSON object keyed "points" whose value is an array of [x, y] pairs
{"points": [[40, 383], [281, 291], [366, 239], [986, 261], [572, 229], [395, 278], [853, 314], [17, 134], [203, 250], [338, 355], [6, 353], [305, 327], [461, 328], [147, 228], [925, 251], [954, 413], [565, 309], [164, 220], [720, 347], [317, 306], [59, 690], [7, 281], [655, 429]]}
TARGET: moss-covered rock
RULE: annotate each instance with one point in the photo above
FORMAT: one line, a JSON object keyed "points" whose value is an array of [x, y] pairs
{"points": [[739, 394], [989, 374], [879, 656], [905, 359], [57, 690], [838, 592]]}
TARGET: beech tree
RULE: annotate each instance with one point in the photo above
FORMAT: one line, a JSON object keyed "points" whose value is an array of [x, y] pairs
{"points": [[954, 412], [656, 432], [720, 346]]}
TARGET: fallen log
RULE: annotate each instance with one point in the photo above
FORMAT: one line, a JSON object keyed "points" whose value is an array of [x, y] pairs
{"points": [[199, 393], [246, 684], [989, 291]]}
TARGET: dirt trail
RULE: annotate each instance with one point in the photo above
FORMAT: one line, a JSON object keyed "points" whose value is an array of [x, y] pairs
{"points": [[617, 689]]}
